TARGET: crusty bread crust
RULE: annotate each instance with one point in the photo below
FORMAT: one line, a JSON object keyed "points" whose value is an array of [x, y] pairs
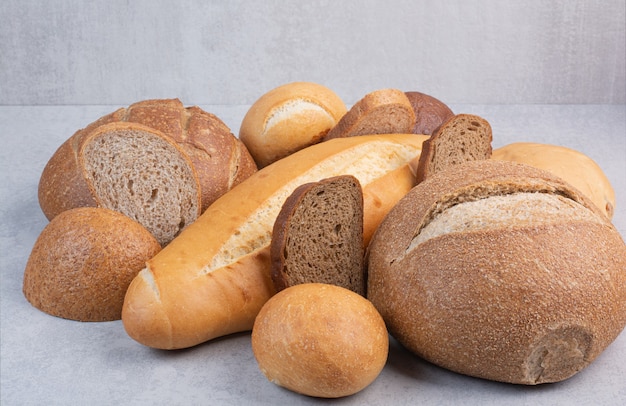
{"points": [[83, 262], [520, 303], [213, 279]]}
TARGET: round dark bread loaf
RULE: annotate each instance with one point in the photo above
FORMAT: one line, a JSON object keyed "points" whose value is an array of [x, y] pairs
{"points": [[83, 261], [430, 112], [163, 163], [501, 271]]}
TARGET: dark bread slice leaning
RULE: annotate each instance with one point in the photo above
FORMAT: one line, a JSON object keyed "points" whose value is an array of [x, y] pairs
{"points": [[461, 138], [500, 271], [318, 236]]}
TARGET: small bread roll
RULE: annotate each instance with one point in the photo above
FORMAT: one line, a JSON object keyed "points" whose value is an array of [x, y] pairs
{"points": [[289, 118], [83, 262], [574, 167], [320, 340]]}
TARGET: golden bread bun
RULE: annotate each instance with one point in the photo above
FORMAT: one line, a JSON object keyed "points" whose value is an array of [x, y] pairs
{"points": [[320, 340], [288, 118]]}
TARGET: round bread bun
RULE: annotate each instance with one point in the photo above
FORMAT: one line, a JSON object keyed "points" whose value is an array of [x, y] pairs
{"points": [[501, 271], [83, 262], [430, 112], [320, 340], [574, 167], [289, 118]]}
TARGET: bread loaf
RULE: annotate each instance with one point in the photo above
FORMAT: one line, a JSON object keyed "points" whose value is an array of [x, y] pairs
{"points": [[148, 155], [430, 112], [320, 340], [83, 262], [501, 271], [213, 279], [318, 236], [288, 118], [383, 111], [573, 166], [461, 138]]}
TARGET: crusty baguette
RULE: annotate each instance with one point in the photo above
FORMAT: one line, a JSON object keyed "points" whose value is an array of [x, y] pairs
{"points": [[289, 118], [382, 111], [573, 166], [461, 138], [318, 236], [501, 271], [213, 279]]}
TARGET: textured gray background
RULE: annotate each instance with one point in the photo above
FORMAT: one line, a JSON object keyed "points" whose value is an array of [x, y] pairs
{"points": [[230, 52]]}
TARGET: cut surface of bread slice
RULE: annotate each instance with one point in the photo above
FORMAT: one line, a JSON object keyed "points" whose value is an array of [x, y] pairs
{"points": [[318, 236], [143, 174], [384, 111], [462, 138]]}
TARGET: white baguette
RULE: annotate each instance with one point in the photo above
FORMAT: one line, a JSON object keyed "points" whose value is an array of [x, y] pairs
{"points": [[213, 279]]}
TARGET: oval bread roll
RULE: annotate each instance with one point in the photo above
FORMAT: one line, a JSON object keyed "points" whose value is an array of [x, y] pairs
{"points": [[288, 118], [83, 262], [320, 340], [501, 271], [574, 167]]}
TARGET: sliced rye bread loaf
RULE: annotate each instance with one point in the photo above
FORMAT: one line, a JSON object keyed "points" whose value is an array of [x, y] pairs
{"points": [[461, 138], [318, 236], [384, 111], [430, 112]]}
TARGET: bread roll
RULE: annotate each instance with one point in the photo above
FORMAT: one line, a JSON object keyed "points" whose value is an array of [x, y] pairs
{"points": [[320, 340], [213, 279], [157, 141], [430, 112], [288, 118], [83, 262], [501, 271], [574, 167]]}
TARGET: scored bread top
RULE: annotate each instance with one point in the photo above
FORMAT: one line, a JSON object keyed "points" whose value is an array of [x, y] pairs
{"points": [[318, 236], [481, 180]]}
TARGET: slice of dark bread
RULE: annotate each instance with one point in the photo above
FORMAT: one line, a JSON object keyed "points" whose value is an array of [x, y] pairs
{"points": [[461, 138], [318, 236]]}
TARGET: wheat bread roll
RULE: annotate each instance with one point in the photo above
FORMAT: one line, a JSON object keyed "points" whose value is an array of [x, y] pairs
{"points": [[83, 262], [573, 166], [430, 112], [318, 236], [320, 340], [289, 118], [218, 159], [383, 111], [213, 279], [501, 271]]}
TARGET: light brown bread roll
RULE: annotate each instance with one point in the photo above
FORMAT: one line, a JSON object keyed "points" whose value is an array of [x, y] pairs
{"points": [[288, 118], [501, 271], [213, 279], [156, 161], [573, 166], [83, 262], [320, 340]]}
